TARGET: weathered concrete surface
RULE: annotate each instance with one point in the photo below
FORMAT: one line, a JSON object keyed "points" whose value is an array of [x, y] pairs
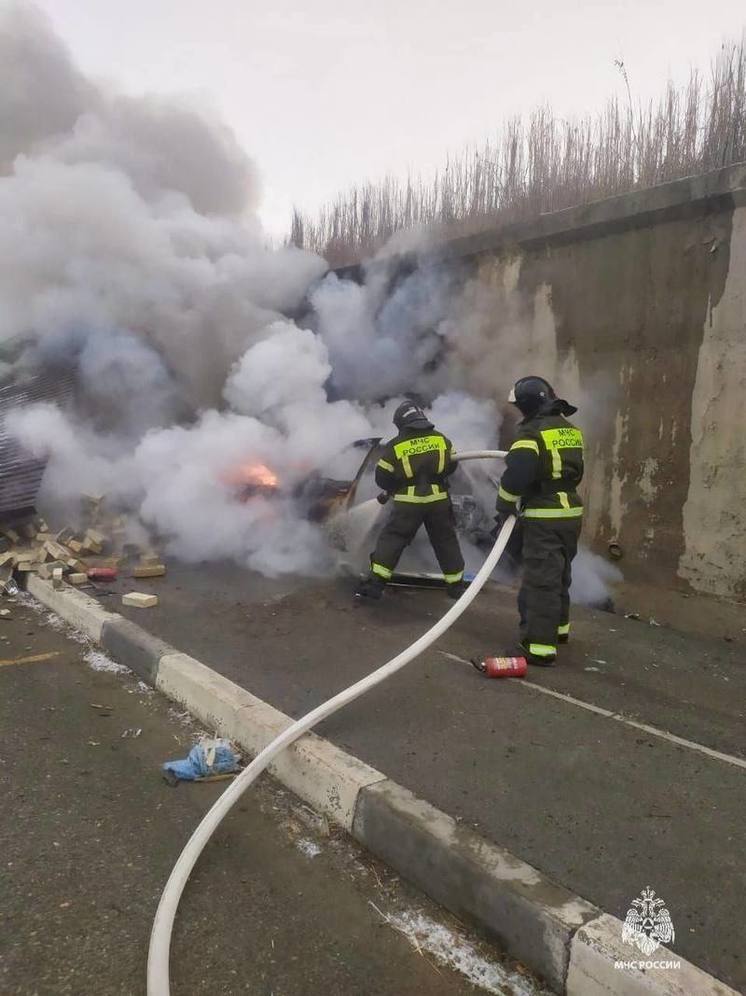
{"points": [[532, 917], [85, 613], [90, 832], [635, 307], [602, 808], [635, 324], [133, 646], [597, 948], [714, 534]]}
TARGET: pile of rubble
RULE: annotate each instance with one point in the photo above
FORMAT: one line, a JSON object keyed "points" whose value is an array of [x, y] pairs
{"points": [[97, 551]]}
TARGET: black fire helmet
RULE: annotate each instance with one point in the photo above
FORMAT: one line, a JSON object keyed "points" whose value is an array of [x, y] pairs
{"points": [[531, 394], [410, 416]]}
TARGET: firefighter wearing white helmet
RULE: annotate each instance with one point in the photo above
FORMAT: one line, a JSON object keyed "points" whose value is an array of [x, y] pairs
{"points": [[413, 469], [544, 467]]}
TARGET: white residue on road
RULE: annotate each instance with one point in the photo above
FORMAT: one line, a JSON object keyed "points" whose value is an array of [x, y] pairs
{"points": [[99, 661], [451, 949], [308, 847]]}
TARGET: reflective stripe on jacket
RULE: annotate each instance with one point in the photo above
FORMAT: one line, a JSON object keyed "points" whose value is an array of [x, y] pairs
{"points": [[543, 468], [414, 466]]}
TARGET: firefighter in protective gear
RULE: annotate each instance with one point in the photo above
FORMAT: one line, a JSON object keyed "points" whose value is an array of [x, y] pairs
{"points": [[544, 467], [413, 470]]}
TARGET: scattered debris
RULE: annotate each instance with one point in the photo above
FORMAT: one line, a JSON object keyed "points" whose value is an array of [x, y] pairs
{"points": [[95, 549], [139, 600], [318, 822], [631, 615], [8, 585], [94, 541], [103, 573], [131, 733], [452, 949], [149, 571], [218, 778], [308, 847], [98, 661], [209, 757], [31, 659]]}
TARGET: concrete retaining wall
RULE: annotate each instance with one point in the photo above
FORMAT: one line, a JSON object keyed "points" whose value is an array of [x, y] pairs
{"points": [[636, 308]]}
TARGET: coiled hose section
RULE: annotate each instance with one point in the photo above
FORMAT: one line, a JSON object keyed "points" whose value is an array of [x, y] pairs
{"points": [[160, 936]]}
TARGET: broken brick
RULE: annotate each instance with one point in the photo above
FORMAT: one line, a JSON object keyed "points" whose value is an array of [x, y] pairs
{"points": [[149, 571], [139, 600], [45, 571]]}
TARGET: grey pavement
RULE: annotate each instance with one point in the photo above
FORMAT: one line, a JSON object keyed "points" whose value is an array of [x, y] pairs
{"points": [[90, 832], [601, 807]]}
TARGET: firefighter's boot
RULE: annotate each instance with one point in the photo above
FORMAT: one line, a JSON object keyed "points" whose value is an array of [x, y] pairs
{"points": [[370, 589], [456, 589], [546, 657]]}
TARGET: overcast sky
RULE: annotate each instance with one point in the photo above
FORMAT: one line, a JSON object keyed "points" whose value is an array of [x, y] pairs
{"points": [[324, 93]]}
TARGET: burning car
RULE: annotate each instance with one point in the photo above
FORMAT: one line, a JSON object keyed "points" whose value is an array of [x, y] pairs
{"points": [[349, 510]]}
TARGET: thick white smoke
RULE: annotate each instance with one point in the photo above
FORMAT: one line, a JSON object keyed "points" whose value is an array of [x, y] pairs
{"points": [[131, 250]]}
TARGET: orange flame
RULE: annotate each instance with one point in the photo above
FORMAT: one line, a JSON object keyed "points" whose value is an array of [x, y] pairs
{"points": [[255, 474]]}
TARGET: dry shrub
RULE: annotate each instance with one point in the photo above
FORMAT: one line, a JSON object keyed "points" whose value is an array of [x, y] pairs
{"points": [[546, 163]]}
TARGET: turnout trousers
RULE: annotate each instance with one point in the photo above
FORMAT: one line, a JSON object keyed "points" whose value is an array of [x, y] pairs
{"points": [[544, 597], [401, 529]]}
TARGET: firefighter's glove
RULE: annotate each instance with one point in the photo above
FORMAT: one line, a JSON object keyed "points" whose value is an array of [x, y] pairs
{"points": [[505, 508], [382, 498], [499, 523]]}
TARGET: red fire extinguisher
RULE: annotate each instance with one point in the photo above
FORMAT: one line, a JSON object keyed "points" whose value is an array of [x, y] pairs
{"points": [[102, 573], [502, 667]]}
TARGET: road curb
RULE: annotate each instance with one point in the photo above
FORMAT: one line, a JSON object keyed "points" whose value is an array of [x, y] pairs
{"points": [[532, 917], [566, 940], [316, 770], [596, 950], [75, 607], [133, 646]]}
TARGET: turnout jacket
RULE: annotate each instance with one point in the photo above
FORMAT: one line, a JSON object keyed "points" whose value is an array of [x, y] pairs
{"points": [[415, 465], [543, 467]]}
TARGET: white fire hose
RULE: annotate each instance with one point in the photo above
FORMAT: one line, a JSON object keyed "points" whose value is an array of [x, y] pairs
{"points": [[160, 936]]}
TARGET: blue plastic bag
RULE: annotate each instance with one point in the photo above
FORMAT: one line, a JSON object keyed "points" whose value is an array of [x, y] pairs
{"points": [[209, 757]]}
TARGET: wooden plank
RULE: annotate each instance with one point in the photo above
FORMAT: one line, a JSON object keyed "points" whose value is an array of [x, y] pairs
{"points": [[33, 659]]}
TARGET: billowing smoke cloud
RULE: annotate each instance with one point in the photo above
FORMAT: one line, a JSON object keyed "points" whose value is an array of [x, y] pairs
{"points": [[128, 215], [396, 327], [131, 250]]}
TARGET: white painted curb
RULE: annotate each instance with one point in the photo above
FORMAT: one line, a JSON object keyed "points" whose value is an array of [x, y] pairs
{"points": [[319, 772], [596, 949], [75, 607]]}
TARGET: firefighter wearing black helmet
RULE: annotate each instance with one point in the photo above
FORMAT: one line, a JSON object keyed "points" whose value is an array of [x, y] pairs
{"points": [[544, 467], [413, 469]]}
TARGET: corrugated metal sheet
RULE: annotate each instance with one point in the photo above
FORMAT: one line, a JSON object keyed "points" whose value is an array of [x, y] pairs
{"points": [[21, 473]]}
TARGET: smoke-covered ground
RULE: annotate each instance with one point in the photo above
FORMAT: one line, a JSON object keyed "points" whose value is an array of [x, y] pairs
{"points": [[132, 251]]}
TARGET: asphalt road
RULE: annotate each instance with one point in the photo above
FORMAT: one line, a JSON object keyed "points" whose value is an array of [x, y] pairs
{"points": [[603, 807], [279, 903]]}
